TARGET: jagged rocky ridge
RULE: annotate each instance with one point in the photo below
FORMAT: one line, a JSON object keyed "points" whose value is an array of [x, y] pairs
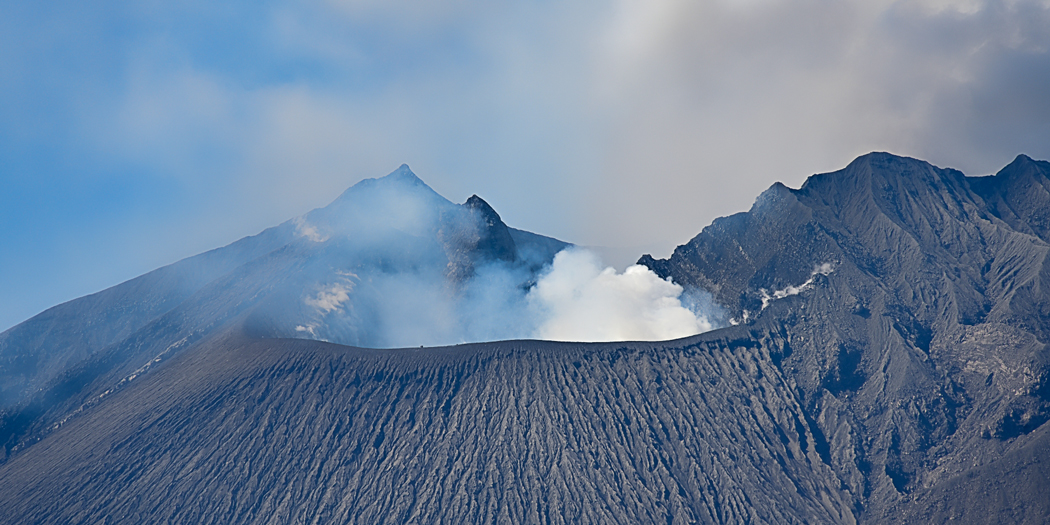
{"points": [[922, 358], [889, 366]]}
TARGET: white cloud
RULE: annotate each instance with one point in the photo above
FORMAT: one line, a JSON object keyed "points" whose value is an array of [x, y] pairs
{"points": [[307, 329]]}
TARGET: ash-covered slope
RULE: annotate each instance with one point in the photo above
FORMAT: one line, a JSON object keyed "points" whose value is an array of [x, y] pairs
{"points": [[37, 351], [238, 429], [916, 302], [388, 243]]}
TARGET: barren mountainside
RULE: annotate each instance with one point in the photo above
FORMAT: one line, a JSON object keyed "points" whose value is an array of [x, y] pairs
{"points": [[922, 356], [887, 364], [238, 430]]}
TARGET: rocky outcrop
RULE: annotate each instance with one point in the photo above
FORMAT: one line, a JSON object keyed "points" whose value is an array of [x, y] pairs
{"points": [[474, 235]]}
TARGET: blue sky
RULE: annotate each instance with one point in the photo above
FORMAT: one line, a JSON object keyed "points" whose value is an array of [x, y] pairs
{"points": [[133, 134]]}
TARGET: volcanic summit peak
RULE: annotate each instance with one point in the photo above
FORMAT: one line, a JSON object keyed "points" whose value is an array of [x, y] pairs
{"points": [[402, 181], [404, 173]]}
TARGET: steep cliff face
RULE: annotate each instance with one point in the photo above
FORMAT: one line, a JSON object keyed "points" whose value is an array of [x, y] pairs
{"points": [[920, 349]]}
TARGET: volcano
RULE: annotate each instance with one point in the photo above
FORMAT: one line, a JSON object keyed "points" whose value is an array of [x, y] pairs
{"points": [[885, 361]]}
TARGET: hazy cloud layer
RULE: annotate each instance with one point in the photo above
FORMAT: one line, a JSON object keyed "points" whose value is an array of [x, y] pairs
{"points": [[134, 134]]}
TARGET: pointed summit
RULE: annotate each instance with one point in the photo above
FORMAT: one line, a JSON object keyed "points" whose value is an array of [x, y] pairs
{"points": [[1019, 194], [403, 172], [401, 181], [1021, 169], [402, 175], [1023, 165]]}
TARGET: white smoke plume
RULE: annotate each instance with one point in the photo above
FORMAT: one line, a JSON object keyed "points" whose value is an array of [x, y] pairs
{"points": [[579, 300], [330, 298], [823, 269], [309, 231]]}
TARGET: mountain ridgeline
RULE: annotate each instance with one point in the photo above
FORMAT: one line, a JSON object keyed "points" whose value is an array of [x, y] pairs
{"points": [[921, 357], [887, 363]]}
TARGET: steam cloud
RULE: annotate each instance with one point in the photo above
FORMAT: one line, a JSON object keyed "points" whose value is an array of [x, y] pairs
{"points": [[307, 230], [578, 300], [823, 269], [331, 298]]}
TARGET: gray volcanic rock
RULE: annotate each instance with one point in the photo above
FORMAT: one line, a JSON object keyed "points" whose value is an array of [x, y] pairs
{"points": [[494, 239], [921, 350], [482, 237], [1019, 195]]}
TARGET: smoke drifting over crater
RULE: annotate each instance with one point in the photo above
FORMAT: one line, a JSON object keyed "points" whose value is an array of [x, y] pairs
{"points": [[578, 300], [393, 264]]}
